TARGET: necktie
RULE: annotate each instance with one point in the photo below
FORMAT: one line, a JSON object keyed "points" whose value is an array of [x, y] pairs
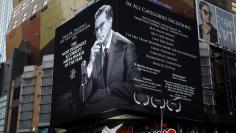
{"points": [[105, 64]]}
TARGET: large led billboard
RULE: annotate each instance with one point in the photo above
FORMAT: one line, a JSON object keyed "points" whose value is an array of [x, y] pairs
{"points": [[126, 55]]}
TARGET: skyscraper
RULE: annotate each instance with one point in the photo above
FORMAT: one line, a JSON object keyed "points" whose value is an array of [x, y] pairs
{"points": [[5, 13]]}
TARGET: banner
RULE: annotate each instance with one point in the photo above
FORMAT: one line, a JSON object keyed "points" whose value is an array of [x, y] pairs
{"points": [[216, 25], [225, 22]]}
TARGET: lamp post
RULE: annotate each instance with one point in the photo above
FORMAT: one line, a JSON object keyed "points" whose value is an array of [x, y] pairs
{"points": [[166, 104]]}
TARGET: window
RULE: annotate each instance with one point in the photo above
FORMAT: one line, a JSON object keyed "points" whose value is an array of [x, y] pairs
{"points": [[14, 24], [23, 6], [24, 3], [24, 17], [45, 2], [14, 14], [34, 9]]}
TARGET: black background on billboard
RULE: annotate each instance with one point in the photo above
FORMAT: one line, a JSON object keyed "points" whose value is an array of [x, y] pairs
{"points": [[65, 90], [191, 67]]}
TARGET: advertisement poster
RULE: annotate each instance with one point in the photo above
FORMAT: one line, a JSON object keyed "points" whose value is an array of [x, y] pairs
{"points": [[216, 25], [206, 18], [126, 55], [225, 22]]}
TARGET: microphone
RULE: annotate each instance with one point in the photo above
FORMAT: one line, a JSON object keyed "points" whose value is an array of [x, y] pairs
{"points": [[83, 79], [84, 68]]}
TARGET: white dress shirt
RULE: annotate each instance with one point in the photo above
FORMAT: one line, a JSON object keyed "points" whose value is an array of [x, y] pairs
{"points": [[108, 44]]}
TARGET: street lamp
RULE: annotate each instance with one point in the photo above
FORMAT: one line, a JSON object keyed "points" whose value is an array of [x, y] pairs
{"points": [[163, 104], [166, 104]]}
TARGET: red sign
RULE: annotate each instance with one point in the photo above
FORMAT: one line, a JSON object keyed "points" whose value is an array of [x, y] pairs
{"points": [[130, 130]]}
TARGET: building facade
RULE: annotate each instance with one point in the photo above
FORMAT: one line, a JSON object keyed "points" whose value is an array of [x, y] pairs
{"points": [[35, 22]]}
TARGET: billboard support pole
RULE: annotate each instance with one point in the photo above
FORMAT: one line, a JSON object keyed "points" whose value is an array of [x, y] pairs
{"points": [[162, 113], [166, 104]]}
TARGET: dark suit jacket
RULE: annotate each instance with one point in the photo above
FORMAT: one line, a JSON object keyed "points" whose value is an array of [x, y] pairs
{"points": [[213, 34], [120, 74]]}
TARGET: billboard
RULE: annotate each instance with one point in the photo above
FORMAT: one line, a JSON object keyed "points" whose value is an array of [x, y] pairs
{"points": [[126, 55], [216, 25]]}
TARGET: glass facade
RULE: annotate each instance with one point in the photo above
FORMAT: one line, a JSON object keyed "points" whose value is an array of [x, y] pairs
{"points": [[5, 13]]}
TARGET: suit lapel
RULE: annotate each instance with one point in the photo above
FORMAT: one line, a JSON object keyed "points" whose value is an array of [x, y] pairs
{"points": [[113, 52]]}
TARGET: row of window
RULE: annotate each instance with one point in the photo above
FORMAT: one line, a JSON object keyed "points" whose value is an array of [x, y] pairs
{"points": [[25, 5], [27, 14]]}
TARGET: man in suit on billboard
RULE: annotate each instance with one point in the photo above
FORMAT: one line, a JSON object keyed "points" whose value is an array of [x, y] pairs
{"points": [[111, 69]]}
